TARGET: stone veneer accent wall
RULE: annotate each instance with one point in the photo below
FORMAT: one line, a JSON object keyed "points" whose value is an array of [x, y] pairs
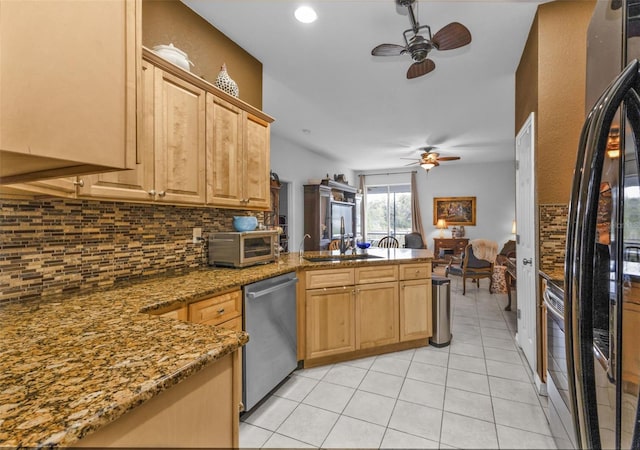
{"points": [[57, 245], [553, 231]]}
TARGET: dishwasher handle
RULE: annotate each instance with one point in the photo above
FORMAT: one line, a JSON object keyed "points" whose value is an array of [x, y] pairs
{"points": [[277, 287]]}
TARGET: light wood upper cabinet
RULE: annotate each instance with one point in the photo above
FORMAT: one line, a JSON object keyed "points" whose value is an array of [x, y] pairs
{"points": [[224, 153], [237, 157], [171, 145], [60, 113], [257, 162], [179, 142], [137, 183]]}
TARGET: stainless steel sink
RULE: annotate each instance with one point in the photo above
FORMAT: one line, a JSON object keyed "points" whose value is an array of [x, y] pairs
{"points": [[340, 257]]}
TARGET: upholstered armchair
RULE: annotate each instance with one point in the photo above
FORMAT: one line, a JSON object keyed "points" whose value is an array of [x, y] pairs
{"points": [[468, 266], [508, 251]]}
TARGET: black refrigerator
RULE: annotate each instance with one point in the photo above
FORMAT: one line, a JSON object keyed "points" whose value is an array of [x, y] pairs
{"points": [[602, 266]]}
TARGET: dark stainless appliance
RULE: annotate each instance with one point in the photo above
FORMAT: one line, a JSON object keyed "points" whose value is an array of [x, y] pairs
{"points": [[602, 276], [270, 319], [242, 248]]}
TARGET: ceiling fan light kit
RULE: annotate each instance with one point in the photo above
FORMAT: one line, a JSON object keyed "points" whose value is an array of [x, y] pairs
{"points": [[454, 35], [430, 159]]}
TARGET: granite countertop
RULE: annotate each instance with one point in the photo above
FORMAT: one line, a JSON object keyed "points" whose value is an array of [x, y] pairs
{"points": [[73, 363]]}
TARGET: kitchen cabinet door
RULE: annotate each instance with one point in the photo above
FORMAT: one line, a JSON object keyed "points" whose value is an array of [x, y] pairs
{"points": [[225, 160], [377, 314], [415, 310], [330, 319], [237, 157], [179, 141], [256, 162], [137, 183], [68, 87]]}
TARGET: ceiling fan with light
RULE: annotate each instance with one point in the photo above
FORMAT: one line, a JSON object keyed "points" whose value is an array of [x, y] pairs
{"points": [[454, 35], [430, 159]]}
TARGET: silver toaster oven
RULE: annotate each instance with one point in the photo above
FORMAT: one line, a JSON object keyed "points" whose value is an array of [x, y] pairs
{"points": [[242, 248]]}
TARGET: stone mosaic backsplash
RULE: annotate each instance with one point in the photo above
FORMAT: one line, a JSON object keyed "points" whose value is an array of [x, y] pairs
{"points": [[57, 245], [553, 236]]}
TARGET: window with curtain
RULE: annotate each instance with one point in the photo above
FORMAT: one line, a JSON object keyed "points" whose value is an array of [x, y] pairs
{"points": [[388, 212]]}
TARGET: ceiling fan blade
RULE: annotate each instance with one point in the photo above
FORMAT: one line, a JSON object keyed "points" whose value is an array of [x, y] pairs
{"points": [[454, 35], [420, 68], [388, 50], [448, 158], [411, 164]]}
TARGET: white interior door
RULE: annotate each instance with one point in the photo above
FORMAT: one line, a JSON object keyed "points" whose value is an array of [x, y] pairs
{"points": [[526, 241]]}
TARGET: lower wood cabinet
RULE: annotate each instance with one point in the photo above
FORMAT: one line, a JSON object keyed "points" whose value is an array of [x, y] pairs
{"points": [[377, 310], [331, 323], [178, 314], [200, 411], [415, 310], [348, 310], [223, 310]]}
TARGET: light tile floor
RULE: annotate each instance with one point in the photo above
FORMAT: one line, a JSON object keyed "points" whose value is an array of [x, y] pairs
{"points": [[475, 393]]}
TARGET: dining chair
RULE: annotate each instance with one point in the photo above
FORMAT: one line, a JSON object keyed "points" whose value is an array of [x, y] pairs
{"points": [[470, 267], [334, 244], [388, 242], [414, 240]]}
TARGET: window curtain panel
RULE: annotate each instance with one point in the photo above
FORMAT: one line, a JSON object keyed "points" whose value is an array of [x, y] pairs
{"points": [[416, 217], [362, 208]]}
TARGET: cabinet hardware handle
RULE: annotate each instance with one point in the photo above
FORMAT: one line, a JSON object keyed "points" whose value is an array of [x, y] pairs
{"points": [[80, 183], [221, 310], [241, 407], [526, 261], [152, 192], [162, 194]]}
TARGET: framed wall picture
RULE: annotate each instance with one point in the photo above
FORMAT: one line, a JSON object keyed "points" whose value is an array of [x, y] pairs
{"points": [[455, 210]]}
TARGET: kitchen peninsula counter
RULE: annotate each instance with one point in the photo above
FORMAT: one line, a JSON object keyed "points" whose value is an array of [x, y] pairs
{"points": [[73, 363]]}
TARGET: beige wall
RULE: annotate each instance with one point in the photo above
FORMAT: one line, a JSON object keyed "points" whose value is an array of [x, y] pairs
{"points": [[527, 79], [550, 80], [170, 21], [561, 95]]}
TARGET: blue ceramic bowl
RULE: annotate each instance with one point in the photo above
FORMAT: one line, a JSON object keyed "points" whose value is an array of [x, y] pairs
{"points": [[363, 245], [244, 223]]}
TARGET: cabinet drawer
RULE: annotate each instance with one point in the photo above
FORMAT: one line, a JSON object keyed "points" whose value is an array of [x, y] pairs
{"points": [[415, 271], [234, 324], [218, 309], [178, 314], [376, 274], [329, 278]]}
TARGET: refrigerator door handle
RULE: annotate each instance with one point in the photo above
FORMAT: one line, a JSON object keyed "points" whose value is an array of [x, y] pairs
{"points": [[581, 236]]}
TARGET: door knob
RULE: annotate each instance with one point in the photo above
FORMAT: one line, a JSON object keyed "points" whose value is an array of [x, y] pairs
{"points": [[526, 261]]}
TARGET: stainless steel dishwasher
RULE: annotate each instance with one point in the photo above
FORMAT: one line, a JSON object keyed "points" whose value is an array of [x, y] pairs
{"points": [[270, 319]]}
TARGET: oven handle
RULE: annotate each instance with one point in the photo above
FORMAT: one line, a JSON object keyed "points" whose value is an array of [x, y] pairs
{"points": [[553, 310], [277, 287]]}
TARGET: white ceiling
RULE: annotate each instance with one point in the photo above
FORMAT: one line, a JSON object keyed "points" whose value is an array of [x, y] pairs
{"points": [[360, 109]]}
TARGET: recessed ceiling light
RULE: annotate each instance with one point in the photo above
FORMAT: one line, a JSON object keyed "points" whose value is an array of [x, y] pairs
{"points": [[306, 14]]}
